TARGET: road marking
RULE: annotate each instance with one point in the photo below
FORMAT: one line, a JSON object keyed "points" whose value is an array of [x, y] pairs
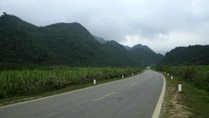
{"points": [[103, 97], [156, 113], [133, 84]]}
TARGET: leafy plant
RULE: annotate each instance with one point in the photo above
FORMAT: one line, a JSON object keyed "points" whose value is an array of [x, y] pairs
{"points": [[30, 82]]}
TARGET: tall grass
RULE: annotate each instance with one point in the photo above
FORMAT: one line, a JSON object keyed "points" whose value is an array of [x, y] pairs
{"points": [[30, 82], [197, 75]]}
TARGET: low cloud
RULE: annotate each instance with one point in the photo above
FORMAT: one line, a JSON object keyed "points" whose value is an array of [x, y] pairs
{"points": [[166, 41]]}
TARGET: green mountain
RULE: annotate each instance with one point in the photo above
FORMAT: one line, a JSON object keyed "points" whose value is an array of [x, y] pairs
{"points": [[149, 57], [18, 43], [101, 40], [191, 55], [61, 44], [137, 55], [139, 46], [119, 53]]}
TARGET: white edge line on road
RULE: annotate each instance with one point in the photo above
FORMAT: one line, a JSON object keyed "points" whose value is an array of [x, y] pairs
{"points": [[156, 113], [42, 98], [103, 96]]}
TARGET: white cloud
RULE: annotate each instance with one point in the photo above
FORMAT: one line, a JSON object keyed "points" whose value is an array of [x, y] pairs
{"points": [[166, 41]]}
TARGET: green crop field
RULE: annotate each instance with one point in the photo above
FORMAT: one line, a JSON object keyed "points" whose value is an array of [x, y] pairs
{"points": [[31, 82]]}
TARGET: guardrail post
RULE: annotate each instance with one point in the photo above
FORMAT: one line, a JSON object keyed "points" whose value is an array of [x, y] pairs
{"points": [[179, 87], [94, 81]]}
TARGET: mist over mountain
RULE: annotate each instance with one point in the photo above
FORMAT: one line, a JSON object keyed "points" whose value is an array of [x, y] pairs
{"points": [[127, 47], [63, 44], [99, 39]]}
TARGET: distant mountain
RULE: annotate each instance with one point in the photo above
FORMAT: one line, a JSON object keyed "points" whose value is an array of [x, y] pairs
{"points": [[191, 55], [62, 44], [127, 47], [99, 39], [140, 46], [145, 57]]}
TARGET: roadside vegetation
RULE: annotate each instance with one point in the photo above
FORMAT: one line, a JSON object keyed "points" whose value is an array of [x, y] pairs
{"points": [[193, 101], [196, 75], [16, 83]]}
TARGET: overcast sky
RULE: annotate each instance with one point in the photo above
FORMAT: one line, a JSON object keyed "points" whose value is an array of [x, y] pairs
{"points": [[160, 24]]}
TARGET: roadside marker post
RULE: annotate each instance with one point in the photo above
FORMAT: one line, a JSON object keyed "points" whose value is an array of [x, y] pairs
{"points": [[132, 74], [122, 76], [94, 81], [171, 77], [179, 87]]}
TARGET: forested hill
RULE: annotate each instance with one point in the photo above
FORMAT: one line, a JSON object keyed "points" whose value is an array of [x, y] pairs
{"points": [[192, 55], [62, 44]]}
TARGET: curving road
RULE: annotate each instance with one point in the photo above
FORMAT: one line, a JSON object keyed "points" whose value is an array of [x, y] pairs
{"points": [[134, 97]]}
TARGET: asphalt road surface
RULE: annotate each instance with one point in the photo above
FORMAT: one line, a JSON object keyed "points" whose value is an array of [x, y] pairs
{"points": [[134, 97]]}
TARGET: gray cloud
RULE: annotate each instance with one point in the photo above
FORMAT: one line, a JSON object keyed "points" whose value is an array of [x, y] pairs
{"points": [[161, 24]]}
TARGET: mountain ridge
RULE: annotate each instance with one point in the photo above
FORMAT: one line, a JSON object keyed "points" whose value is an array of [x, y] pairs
{"points": [[190, 55], [63, 44], [145, 47], [142, 47]]}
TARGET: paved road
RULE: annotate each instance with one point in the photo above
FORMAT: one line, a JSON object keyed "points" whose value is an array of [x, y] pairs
{"points": [[135, 97]]}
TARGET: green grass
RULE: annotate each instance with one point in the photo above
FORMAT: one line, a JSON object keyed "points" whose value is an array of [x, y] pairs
{"points": [[16, 85], [197, 100], [197, 75]]}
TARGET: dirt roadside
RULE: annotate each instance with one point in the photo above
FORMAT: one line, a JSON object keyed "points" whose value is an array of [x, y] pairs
{"points": [[172, 106]]}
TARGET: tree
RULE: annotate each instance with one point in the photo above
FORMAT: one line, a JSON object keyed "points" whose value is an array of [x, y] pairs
{"points": [[4, 13]]}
